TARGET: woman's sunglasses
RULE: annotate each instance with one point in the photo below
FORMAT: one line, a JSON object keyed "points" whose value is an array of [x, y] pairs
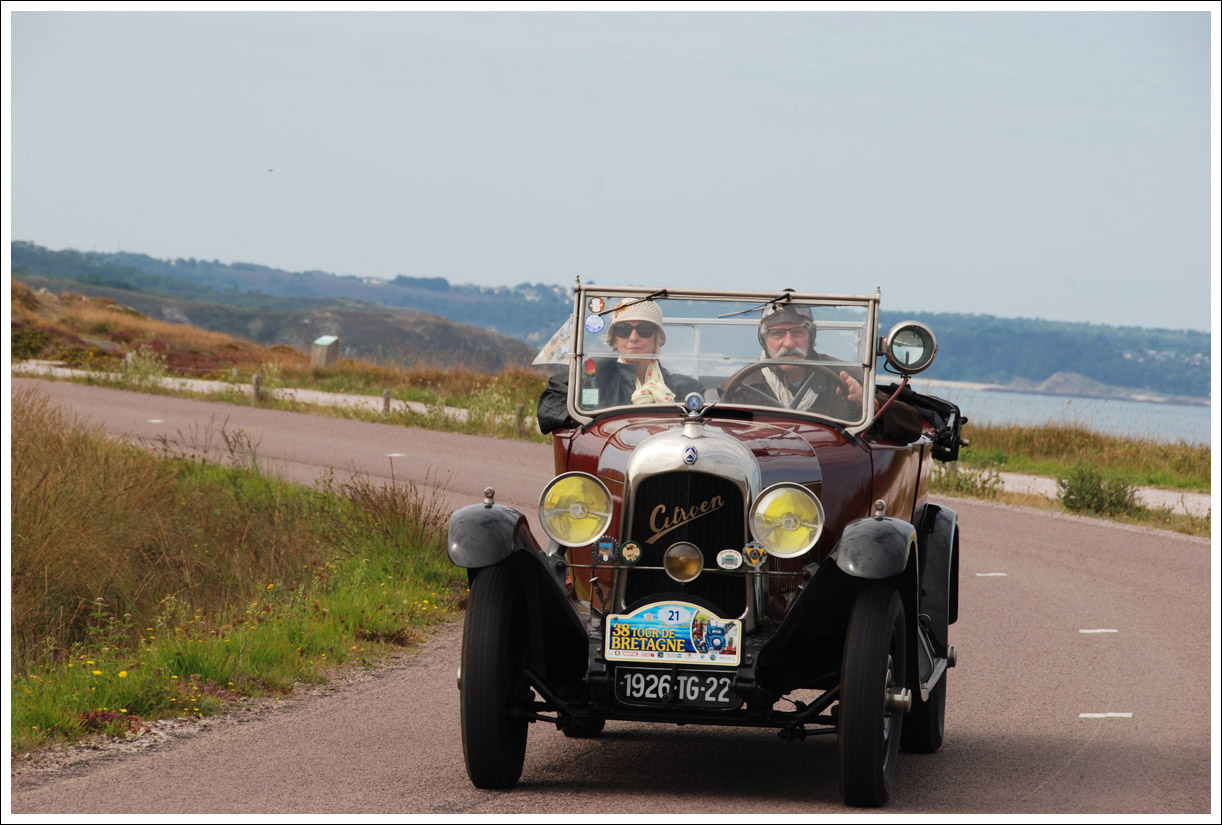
{"points": [[644, 329]]}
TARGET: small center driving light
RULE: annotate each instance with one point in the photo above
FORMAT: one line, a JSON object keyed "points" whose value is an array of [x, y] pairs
{"points": [[683, 561]]}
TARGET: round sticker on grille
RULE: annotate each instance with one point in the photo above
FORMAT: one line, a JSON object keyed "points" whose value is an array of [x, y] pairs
{"points": [[690, 455], [630, 552], [729, 559]]}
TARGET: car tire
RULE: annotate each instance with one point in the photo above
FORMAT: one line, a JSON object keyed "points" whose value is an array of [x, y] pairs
{"points": [[925, 724], [494, 647], [875, 658]]}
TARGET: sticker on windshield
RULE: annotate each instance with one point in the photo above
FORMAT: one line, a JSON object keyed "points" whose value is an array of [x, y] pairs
{"points": [[596, 305], [673, 632], [594, 324]]}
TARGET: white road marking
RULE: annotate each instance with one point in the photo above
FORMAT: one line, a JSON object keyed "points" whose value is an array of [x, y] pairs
{"points": [[1105, 715], [156, 420], [1100, 630], [992, 574], [396, 455]]}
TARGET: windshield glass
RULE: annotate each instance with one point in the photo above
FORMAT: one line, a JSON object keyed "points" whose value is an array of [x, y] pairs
{"points": [[798, 352]]}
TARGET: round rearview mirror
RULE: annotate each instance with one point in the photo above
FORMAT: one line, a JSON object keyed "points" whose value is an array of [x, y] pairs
{"points": [[910, 347]]}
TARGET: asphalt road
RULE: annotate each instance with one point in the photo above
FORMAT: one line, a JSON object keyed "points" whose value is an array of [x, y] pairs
{"points": [[1083, 684]]}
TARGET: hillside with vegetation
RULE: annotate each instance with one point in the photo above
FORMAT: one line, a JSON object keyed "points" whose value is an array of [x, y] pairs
{"points": [[267, 305], [528, 313], [366, 332]]}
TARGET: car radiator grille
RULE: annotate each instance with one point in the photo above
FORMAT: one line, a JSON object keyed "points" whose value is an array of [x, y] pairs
{"points": [[676, 498]]}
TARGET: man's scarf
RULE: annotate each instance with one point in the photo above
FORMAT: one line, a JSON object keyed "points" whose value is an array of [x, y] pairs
{"points": [[780, 388]]}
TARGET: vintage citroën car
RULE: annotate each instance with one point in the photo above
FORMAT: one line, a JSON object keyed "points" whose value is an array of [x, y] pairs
{"points": [[739, 515]]}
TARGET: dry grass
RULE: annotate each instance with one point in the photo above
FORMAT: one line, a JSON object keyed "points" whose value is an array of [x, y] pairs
{"points": [[97, 333], [145, 587], [92, 519]]}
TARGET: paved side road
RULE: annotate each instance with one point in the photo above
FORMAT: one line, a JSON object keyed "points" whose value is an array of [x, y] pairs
{"points": [[329, 399], [1193, 504]]}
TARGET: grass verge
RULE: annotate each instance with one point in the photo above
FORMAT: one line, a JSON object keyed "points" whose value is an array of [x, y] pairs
{"points": [[1055, 450], [146, 587]]}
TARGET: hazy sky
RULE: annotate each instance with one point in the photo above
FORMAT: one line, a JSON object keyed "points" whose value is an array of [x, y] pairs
{"points": [[1050, 164]]}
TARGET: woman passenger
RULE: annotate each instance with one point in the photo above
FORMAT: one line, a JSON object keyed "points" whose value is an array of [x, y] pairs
{"points": [[634, 377]]}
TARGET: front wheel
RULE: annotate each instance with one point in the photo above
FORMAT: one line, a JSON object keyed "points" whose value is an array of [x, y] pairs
{"points": [[871, 678], [494, 648]]}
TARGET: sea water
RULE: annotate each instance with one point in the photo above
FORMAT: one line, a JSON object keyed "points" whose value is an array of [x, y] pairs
{"points": [[1172, 423]]}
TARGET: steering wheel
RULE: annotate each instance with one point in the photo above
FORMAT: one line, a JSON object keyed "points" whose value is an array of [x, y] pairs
{"points": [[754, 395]]}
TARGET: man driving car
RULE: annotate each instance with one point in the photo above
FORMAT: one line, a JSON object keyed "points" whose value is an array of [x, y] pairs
{"points": [[787, 332]]}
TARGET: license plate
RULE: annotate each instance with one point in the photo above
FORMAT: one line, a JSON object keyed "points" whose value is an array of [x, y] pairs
{"points": [[687, 688]]}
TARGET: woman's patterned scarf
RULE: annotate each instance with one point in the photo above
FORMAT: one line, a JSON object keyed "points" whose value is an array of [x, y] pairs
{"points": [[653, 389]]}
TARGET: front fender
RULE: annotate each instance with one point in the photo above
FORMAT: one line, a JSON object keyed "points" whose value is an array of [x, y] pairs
{"points": [[482, 535], [873, 548], [939, 573]]}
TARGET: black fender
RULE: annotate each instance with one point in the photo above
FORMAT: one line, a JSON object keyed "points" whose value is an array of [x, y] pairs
{"points": [[875, 548], [939, 573], [807, 648], [483, 535]]}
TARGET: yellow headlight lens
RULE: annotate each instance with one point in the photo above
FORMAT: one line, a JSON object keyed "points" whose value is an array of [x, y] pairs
{"points": [[787, 519], [575, 509], [683, 561]]}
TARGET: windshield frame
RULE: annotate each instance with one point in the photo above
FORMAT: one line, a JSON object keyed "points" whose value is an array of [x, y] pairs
{"points": [[611, 294]]}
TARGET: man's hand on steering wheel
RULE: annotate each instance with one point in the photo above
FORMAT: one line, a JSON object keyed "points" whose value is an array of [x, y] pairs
{"points": [[851, 388]]}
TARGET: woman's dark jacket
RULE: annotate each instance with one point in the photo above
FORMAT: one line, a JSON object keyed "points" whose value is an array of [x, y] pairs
{"points": [[615, 382]]}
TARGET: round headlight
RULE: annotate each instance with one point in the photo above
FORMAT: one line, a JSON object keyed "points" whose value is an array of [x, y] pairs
{"points": [[683, 561], [787, 519], [575, 509]]}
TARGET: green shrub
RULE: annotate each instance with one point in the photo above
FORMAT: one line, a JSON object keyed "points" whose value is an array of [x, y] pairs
{"points": [[1084, 489], [28, 342], [144, 369]]}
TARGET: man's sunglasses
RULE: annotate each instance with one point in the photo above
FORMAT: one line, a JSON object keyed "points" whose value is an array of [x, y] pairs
{"points": [[644, 329]]}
